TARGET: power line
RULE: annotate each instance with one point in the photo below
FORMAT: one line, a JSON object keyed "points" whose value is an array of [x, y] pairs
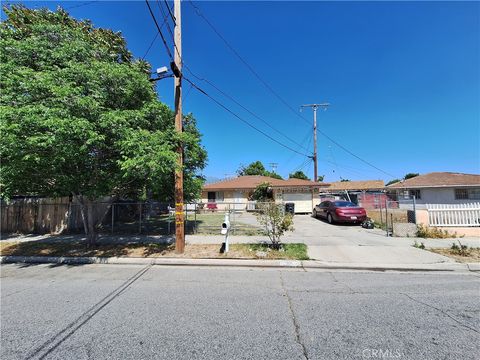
{"points": [[150, 46], [184, 99], [221, 91], [304, 139], [159, 30], [235, 52], [199, 13], [170, 11], [242, 119], [155, 38], [354, 155], [252, 70], [80, 5], [302, 166], [244, 108], [169, 28]]}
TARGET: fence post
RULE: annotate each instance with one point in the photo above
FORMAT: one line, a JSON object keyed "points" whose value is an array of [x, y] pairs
{"points": [[381, 214], [414, 209], [391, 222], [168, 220], [386, 217], [195, 219], [113, 215], [140, 220]]}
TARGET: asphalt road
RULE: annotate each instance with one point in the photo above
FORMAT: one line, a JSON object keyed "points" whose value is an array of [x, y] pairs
{"points": [[134, 312]]}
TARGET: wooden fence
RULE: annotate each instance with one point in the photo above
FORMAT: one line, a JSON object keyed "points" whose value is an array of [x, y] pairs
{"points": [[454, 214], [43, 216]]}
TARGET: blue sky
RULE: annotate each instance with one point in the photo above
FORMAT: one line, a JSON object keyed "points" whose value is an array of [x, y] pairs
{"points": [[402, 78]]}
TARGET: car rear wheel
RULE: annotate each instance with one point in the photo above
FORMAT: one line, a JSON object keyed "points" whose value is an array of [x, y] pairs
{"points": [[329, 218]]}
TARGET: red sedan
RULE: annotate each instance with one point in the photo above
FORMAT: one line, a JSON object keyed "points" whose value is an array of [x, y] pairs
{"points": [[340, 211]]}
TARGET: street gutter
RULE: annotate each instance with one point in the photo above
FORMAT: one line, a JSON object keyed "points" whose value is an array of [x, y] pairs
{"points": [[252, 263]]}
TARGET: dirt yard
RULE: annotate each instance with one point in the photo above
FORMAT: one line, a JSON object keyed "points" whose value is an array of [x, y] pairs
{"points": [[469, 255], [195, 251]]}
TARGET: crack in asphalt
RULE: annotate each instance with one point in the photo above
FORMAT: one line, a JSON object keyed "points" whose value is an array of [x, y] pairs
{"points": [[42, 351], [442, 311], [294, 319], [342, 283]]}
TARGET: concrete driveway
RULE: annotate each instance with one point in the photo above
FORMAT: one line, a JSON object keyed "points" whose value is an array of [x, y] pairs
{"points": [[345, 243]]}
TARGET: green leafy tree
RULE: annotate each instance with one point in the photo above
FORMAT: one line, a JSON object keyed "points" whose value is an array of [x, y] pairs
{"points": [[273, 174], [406, 177], [257, 168], [298, 175], [275, 220], [263, 192], [410, 175], [392, 182], [80, 116], [320, 178], [344, 180], [254, 168]]}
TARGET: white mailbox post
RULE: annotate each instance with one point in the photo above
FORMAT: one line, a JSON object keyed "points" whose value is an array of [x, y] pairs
{"points": [[226, 229]]}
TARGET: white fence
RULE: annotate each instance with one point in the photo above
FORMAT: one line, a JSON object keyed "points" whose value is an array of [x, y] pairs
{"points": [[454, 214]]}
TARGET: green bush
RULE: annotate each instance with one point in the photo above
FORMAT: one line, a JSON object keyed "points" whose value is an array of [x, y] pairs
{"points": [[418, 246], [461, 250]]}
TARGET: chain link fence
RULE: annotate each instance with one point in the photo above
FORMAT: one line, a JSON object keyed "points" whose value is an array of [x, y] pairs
{"points": [[396, 217], [43, 216]]}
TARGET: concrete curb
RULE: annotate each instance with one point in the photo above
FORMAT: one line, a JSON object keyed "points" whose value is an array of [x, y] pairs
{"points": [[307, 264]]}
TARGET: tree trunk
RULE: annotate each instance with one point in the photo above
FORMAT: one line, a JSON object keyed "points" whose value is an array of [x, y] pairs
{"points": [[92, 235], [88, 219]]}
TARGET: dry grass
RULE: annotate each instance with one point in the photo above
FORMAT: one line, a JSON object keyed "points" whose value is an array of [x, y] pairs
{"points": [[434, 233], [469, 255], [6, 244], [79, 249]]}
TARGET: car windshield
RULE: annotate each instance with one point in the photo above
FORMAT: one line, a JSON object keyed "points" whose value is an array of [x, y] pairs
{"points": [[344, 204]]}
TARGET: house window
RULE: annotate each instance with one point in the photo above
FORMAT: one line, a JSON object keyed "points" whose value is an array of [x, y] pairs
{"points": [[474, 194], [461, 194], [467, 194], [415, 193], [215, 196], [211, 196]]}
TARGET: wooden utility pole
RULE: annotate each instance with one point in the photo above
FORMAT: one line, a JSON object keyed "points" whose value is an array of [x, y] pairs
{"points": [[179, 218], [314, 157]]}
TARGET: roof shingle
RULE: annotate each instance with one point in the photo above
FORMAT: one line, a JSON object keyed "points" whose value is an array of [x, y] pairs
{"points": [[356, 185], [438, 179], [252, 181]]}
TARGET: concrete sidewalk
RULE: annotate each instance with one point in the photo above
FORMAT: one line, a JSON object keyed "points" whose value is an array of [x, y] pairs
{"points": [[368, 249], [374, 255]]}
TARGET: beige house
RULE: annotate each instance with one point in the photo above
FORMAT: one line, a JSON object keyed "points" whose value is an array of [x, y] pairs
{"points": [[236, 193]]}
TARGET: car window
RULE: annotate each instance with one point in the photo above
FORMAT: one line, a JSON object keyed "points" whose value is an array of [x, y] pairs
{"points": [[322, 204], [344, 204]]}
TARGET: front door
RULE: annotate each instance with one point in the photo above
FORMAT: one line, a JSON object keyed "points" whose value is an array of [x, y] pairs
{"points": [[238, 200]]}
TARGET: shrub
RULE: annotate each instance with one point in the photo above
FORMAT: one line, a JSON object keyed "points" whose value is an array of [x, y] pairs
{"points": [[461, 250], [418, 246], [276, 221], [433, 232]]}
